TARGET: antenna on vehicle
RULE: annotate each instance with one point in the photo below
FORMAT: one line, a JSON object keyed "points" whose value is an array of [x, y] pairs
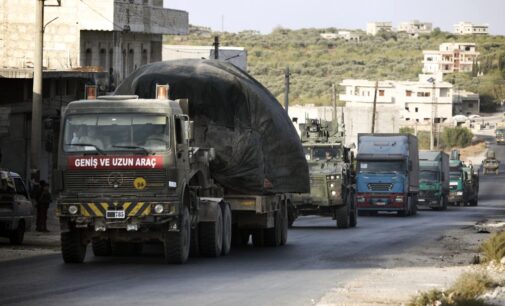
{"points": [[162, 91]]}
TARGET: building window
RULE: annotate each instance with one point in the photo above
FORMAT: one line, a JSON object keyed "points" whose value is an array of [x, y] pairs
{"points": [[423, 94], [88, 57], [381, 92], [408, 93], [407, 108], [103, 58], [111, 59], [407, 119], [470, 104], [417, 110]]}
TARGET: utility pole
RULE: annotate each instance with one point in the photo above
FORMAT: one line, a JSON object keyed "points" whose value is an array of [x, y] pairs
{"points": [[287, 74], [374, 106], [36, 132], [216, 47], [433, 114], [334, 101]]}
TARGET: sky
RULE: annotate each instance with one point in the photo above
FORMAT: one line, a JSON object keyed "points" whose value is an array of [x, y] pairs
{"points": [[265, 15]]}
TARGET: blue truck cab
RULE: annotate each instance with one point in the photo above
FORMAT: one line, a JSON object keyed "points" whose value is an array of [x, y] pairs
{"points": [[387, 173]]}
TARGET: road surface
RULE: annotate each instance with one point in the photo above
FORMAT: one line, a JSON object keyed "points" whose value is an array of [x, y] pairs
{"points": [[317, 258]]}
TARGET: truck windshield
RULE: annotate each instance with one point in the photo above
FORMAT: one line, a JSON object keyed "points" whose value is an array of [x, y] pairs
{"points": [[116, 132], [428, 176], [322, 153], [381, 166], [455, 175], [500, 132]]}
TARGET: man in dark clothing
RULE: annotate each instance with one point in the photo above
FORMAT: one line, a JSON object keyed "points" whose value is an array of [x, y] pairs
{"points": [[43, 202]]}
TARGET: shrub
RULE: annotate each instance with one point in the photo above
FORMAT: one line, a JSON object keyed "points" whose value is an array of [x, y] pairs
{"points": [[494, 247], [456, 137]]}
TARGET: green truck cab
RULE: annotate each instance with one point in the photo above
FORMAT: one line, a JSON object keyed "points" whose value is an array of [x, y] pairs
{"points": [[463, 182], [433, 179], [331, 176]]}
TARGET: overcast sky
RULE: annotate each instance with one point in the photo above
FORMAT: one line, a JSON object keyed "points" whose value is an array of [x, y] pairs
{"points": [[264, 15]]}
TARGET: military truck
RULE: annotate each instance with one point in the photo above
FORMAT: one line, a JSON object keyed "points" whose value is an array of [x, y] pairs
{"points": [[433, 179], [500, 133], [463, 182], [130, 171], [387, 174], [490, 164], [331, 176]]}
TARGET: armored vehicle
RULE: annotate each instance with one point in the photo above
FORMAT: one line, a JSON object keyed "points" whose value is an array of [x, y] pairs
{"points": [[490, 164], [331, 175]]}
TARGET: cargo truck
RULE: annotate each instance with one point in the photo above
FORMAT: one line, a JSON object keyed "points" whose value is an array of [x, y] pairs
{"points": [[331, 175], [463, 182], [433, 179], [133, 170], [500, 133], [387, 174]]}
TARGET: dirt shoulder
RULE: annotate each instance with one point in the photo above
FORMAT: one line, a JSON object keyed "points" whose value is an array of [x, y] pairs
{"points": [[434, 264]]}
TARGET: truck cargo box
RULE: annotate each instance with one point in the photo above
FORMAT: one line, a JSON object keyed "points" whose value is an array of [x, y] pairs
{"points": [[257, 148]]}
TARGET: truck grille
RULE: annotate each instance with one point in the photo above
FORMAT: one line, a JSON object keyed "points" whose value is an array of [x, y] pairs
{"points": [[427, 193], [380, 186], [317, 186], [113, 180]]}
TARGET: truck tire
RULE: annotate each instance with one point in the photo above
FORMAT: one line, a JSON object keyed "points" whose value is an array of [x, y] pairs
{"points": [[16, 236], [211, 236], [284, 222], [354, 212], [342, 216], [413, 206], [258, 237], [73, 248], [291, 215], [273, 236], [176, 244], [226, 211], [101, 247]]}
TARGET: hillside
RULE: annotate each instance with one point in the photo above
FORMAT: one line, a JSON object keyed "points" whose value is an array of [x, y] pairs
{"points": [[316, 63]]}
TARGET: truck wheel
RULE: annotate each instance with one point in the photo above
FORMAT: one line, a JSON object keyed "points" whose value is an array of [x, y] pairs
{"points": [[291, 215], [73, 248], [342, 215], [16, 236], [101, 247], [226, 211], [258, 237], [413, 206], [176, 245], [273, 236], [284, 219], [354, 212], [211, 236]]}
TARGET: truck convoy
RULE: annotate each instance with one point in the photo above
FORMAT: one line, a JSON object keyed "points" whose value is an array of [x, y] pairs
{"points": [[463, 182], [500, 133], [433, 179], [331, 175], [133, 170], [387, 174]]}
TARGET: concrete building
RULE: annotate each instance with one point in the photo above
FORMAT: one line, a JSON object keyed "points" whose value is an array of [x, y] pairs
{"points": [[450, 57], [234, 55], [399, 103], [466, 103], [83, 40], [415, 27], [329, 36], [373, 28], [348, 36], [468, 28], [121, 35]]}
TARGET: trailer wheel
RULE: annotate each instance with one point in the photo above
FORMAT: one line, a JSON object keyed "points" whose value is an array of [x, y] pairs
{"points": [[211, 236], [273, 236], [226, 211], [176, 245], [284, 218], [342, 215], [73, 248], [101, 247], [16, 236]]}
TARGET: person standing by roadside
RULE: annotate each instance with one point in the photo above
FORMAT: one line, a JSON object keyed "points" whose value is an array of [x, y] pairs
{"points": [[43, 202]]}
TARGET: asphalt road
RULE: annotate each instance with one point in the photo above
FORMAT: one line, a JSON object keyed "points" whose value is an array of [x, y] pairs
{"points": [[317, 258]]}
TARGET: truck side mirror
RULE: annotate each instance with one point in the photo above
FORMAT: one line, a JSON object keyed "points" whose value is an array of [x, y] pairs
{"points": [[188, 130]]}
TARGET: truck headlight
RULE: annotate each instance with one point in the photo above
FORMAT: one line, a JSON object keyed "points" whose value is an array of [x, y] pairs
{"points": [[399, 199], [158, 208], [332, 185], [333, 193], [73, 209], [360, 199]]}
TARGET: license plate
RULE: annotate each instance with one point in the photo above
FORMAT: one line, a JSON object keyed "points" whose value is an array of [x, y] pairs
{"points": [[380, 203], [115, 214], [421, 200]]}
